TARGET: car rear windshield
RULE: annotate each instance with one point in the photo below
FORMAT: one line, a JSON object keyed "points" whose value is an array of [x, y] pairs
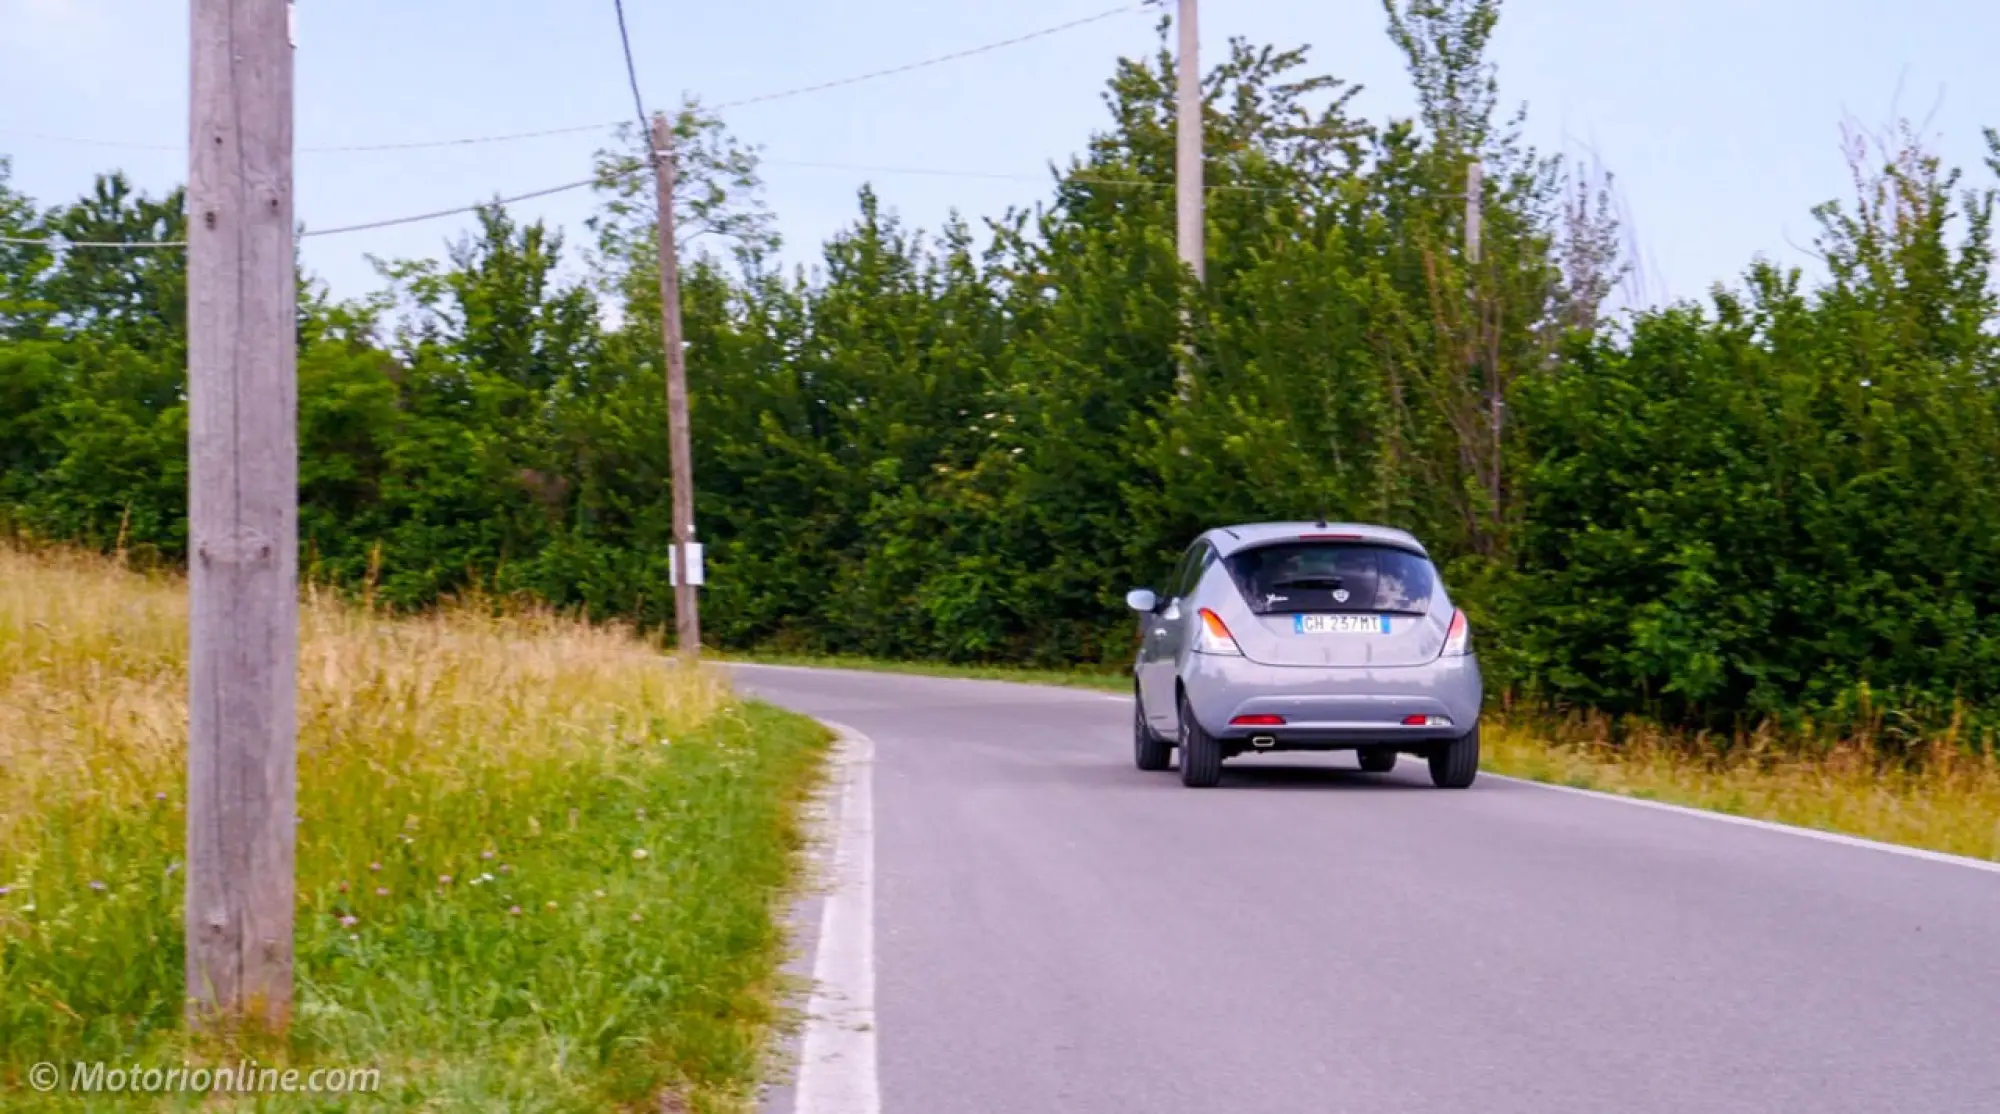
{"points": [[1332, 576]]}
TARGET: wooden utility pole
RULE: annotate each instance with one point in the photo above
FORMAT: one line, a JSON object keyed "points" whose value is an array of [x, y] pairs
{"points": [[1187, 136], [1474, 200], [1188, 187], [242, 515], [687, 615], [1484, 359]]}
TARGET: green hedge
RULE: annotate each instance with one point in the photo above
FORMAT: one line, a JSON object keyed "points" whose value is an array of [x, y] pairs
{"points": [[966, 447]]}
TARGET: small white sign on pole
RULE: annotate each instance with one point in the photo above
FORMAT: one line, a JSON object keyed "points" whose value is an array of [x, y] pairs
{"points": [[694, 566]]}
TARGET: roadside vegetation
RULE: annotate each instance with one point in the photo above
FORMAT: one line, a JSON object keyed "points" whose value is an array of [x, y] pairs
{"points": [[1766, 513], [1942, 796], [539, 868]]}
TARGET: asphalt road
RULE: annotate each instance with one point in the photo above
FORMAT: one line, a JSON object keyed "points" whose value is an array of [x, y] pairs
{"points": [[1054, 930]]}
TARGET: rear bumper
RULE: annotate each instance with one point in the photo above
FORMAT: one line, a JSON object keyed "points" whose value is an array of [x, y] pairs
{"points": [[1327, 708]]}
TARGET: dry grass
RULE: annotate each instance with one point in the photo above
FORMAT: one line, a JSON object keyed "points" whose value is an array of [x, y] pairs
{"points": [[473, 788], [1941, 796], [93, 700]]}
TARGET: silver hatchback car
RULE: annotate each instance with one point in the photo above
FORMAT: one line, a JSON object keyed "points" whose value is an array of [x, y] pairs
{"points": [[1305, 636]]}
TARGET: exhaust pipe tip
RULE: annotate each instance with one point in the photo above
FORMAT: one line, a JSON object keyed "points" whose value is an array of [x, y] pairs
{"points": [[1263, 742]]}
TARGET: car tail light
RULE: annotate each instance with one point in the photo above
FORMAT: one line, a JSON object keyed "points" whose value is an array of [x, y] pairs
{"points": [[1258, 721], [1458, 638], [1214, 637], [1426, 721]]}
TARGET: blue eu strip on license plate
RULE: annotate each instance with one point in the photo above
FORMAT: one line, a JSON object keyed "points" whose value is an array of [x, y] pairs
{"points": [[1340, 624]]}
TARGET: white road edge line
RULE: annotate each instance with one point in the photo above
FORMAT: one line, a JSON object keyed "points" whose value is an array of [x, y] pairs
{"points": [[1988, 866], [837, 1055]]}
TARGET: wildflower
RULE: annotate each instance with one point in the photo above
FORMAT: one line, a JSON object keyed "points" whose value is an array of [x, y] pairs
{"points": [[381, 891], [444, 879], [506, 868], [486, 877], [374, 867], [639, 853], [343, 887], [159, 796], [5, 890], [553, 906], [598, 894], [488, 855], [349, 921], [98, 886], [635, 918], [514, 912]]}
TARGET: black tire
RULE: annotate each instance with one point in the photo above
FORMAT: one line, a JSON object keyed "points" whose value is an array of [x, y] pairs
{"points": [[1201, 752], [1455, 764], [1376, 760], [1149, 751]]}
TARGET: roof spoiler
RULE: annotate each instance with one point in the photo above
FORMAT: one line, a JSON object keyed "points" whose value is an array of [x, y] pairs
{"points": [[1407, 546]]}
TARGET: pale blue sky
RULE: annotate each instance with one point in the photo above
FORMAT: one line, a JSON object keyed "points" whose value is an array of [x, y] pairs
{"points": [[1720, 117]]}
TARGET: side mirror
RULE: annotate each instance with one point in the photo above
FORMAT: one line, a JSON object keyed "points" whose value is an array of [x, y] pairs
{"points": [[1142, 600]]}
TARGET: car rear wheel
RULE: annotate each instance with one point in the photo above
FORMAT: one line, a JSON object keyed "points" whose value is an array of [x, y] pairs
{"points": [[1376, 760], [1455, 764], [1201, 753], [1149, 751]]}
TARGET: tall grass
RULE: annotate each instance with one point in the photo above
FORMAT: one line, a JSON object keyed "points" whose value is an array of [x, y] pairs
{"points": [[1937, 793], [537, 864]]}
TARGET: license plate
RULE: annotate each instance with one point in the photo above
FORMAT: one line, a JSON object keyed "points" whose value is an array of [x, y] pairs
{"points": [[1340, 624]]}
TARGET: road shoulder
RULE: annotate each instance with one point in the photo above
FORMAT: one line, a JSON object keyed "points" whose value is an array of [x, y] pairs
{"points": [[826, 1059]]}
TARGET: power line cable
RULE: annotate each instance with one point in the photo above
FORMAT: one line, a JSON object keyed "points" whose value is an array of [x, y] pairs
{"points": [[97, 142], [476, 206], [1081, 179], [57, 243], [344, 148], [60, 244], [468, 141], [1122, 9], [763, 98], [1062, 179], [632, 73]]}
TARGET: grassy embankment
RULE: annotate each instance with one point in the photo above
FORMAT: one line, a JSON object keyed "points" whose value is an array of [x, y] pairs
{"points": [[1947, 799], [538, 869]]}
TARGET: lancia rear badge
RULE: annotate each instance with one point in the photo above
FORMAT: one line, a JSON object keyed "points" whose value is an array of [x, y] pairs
{"points": [[1340, 595]]}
